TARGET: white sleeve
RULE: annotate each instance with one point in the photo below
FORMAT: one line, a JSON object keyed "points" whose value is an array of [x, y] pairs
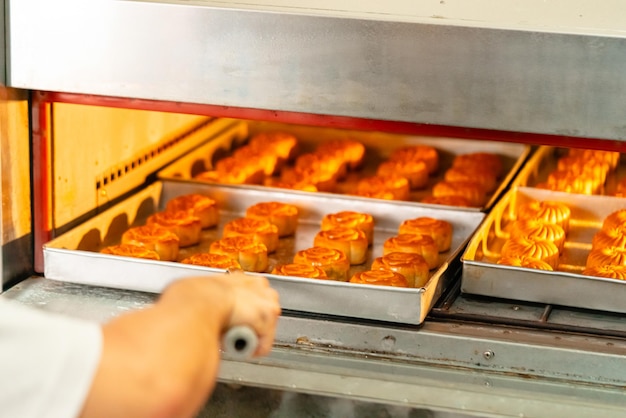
{"points": [[47, 362]]}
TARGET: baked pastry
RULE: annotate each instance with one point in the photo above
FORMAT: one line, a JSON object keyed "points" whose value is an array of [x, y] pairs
{"points": [[473, 191], [334, 262], [482, 175], [131, 250], [187, 227], [487, 160], [452, 200], [438, 229], [300, 270], [572, 182], [283, 215], [282, 144], [609, 237], [380, 278], [594, 168], [198, 205], [526, 247], [538, 229], [412, 266], [324, 181], [261, 229], [374, 194], [350, 151], [421, 244], [250, 254], [429, 155], [609, 157], [396, 184], [154, 237], [614, 219], [352, 242], [263, 159], [526, 262], [416, 172], [547, 211], [218, 261], [234, 171], [326, 164], [302, 185], [607, 271], [350, 219], [605, 256]]}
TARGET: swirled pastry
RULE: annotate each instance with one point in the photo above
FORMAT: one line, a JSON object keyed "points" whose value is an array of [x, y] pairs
{"points": [[412, 266], [608, 271], [421, 244], [283, 215], [395, 184], [250, 254], [198, 205], [572, 182], [525, 247], [609, 237], [429, 155], [538, 229], [548, 211], [415, 172], [452, 200], [438, 229], [473, 191], [131, 250], [380, 278], [604, 256], [350, 219], [334, 262], [352, 242], [614, 219], [187, 227], [261, 229], [218, 261], [487, 160], [154, 237], [526, 262], [300, 270]]}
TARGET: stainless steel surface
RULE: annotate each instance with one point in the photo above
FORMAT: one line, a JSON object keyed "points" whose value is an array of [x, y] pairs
{"points": [[74, 255], [378, 147], [565, 286], [440, 366], [541, 67]]}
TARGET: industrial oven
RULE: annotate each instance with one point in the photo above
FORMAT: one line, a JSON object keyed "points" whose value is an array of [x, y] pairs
{"points": [[109, 108]]}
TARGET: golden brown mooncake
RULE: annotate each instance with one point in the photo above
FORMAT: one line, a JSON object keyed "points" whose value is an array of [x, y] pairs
{"points": [[250, 254], [380, 194], [154, 237], [606, 256], [471, 190], [538, 229], [614, 219], [481, 175], [412, 266], [334, 262], [218, 261], [421, 244], [131, 250], [282, 144], [187, 227], [415, 172], [324, 181], [380, 278], [438, 229], [548, 211], [452, 200], [234, 171], [488, 160], [351, 241], [350, 219], [526, 262], [608, 271], [300, 270], [199, 205], [395, 184], [526, 247], [283, 215], [609, 157], [261, 229], [264, 160], [329, 164], [302, 185], [351, 151], [609, 237], [429, 155]]}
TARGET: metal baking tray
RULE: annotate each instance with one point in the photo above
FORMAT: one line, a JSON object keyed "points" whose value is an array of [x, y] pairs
{"points": [[378, 147], [544, 160], [74, 256], [566, 285]]}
